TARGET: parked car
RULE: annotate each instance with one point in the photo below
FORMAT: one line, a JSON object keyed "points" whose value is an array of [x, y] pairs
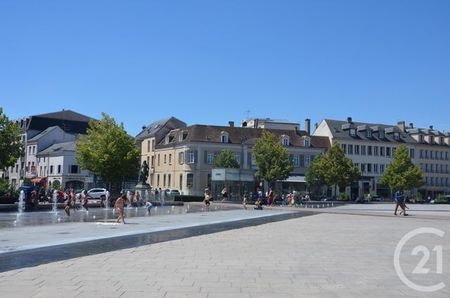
{"points": [[376, 198], [171, 193], [97, 195]]}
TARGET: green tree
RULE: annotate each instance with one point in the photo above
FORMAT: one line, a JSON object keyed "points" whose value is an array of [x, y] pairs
{"points": [[401, 173], [226, 159], [272, 158], [11, 147], [332, 168], [108, 151], [314, 181]]}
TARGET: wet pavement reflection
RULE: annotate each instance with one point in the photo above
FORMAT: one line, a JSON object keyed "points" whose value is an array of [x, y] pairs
{"points": [[8, 220]]}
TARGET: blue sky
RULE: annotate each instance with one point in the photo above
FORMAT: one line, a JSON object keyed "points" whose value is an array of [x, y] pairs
{"points": [[211, 61]]}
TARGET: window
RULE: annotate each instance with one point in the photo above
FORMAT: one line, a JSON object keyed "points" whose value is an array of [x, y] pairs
{"points": [[421, 153], [296, 160], [307, 143], [210, 158], [426, 154], [369, 133], [153, 145], [442, 155], [34, 149], [307, 160], [411, 152], [190, 180], [375, 168], [352, 132], [73, 169], [426, 168], [29, 150], [224, 137], [181, 181], [363, 149], [441, 140], [431, 168], [169, 178], [381, 168], [388, 151], [357, 149], [167, 139], [170, 159], [431, 140], [237, 156], [381, 134], [369, 168], [148, 146], [190, 157], [396, 136], [51, 169], [381, 151], [446, 155], [344, 148], [159, 160], [157, 179], [369, 150], [181, 158], [17, 168], [153, 161], [165, 159], [164, 180], [421, 139], [350, 149], [285, 140], [59, 169], [363, 168], [375, 150]]}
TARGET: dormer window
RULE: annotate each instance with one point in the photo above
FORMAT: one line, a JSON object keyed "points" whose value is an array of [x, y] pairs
{"points": [[369, 133], [166, 140], [353, 132], [224, 137], [381, 134], [180, 137], [396, 136], [307, 143], [285, 140], [421, 139], [431, 140], [441, 140]]}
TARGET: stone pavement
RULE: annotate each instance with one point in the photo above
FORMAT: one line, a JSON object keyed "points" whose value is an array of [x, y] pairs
{"points": [[325, 255]]}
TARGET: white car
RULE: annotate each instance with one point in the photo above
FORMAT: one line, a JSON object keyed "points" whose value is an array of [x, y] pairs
{"points": [[96, 195], [171, 193]]}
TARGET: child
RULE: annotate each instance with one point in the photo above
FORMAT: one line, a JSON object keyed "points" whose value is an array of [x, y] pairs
{"points": [[149, 207]]}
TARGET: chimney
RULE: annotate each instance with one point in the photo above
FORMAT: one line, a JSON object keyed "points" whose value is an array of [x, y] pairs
{"points": [[401, 125], [349, 120], [308, 126], [144, 127], [411, 125], [231, 123], [431, 127]]}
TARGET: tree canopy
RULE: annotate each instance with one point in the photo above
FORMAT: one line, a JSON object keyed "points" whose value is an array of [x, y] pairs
{"points": [[11, 147], [401, 173], [332, 168], [108, 151], [272, 158], [226, 159]]}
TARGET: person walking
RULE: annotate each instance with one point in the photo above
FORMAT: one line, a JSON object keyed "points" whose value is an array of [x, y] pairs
{"points": [[399, 202], [68, 205], [270, 197], [85, 199], [207, 198], [244, 200], [119, 207], [224, 194]]}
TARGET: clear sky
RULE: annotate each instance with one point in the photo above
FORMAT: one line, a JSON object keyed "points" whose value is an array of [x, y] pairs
{"points": [[211, 61]]}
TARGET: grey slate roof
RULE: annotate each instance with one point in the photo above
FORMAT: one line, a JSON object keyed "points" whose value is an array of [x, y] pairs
{"points": [[43, 133], [151, 129], [66, 115], [58, 148], [341, 130]]}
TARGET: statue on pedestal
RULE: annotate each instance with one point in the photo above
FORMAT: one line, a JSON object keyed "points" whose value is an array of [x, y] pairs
{"points": [[143, 173]]}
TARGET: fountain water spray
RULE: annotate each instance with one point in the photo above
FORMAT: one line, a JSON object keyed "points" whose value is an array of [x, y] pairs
{"points": [[20, 206], [55, 201]]}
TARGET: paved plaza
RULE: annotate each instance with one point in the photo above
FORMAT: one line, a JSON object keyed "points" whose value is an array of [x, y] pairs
{"points": [[330, 254]]}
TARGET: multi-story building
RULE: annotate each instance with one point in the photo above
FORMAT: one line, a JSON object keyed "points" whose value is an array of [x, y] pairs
{"points": [[184, 157], [58, 163], [68, 121], [371, 148], [432, 154]]}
